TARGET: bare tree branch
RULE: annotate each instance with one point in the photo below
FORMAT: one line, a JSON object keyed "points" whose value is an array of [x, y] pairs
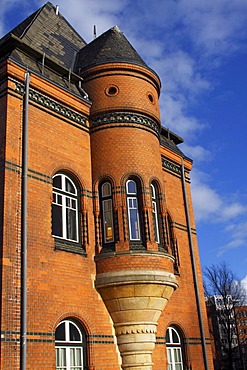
{"points": [[223, 293]]}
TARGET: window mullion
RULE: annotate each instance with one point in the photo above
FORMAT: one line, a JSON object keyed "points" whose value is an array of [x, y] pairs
{"points": [[173, 359], [67, 358], [64, 218], [77, 218]]}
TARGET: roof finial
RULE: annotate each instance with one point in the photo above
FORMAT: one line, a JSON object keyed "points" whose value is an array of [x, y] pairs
{"points": [[94, 32]]}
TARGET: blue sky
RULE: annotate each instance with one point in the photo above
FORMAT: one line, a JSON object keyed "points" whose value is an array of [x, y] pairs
{"points": [[199, 50]]}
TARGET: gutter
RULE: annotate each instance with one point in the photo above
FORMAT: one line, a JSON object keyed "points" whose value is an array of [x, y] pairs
{"points": [[204, 350], [23, 338]]}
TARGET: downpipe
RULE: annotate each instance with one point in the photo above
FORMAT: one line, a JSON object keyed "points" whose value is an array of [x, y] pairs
{"points": [[194, 271], [23, 349]]}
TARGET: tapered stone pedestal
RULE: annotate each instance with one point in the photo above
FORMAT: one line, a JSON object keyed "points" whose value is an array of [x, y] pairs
{"points": [[135, 300]]}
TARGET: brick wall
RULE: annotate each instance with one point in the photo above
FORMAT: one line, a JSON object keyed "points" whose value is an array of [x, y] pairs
{"points": [[61, 284]]}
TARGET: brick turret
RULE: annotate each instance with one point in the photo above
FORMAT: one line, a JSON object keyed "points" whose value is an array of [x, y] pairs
{"points": [[134, 267]]}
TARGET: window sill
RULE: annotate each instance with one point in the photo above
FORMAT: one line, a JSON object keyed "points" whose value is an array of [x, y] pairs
{"points": [[66, 246], [137, 246]]}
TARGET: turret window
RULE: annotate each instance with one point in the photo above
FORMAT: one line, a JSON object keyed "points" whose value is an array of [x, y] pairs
{"points": [[111, 90], [107, 213], [155, 210], [133, 210]]}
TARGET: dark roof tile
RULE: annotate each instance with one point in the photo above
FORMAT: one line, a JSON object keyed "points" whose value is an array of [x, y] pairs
{"points": [[112, 46], [51, 34]]}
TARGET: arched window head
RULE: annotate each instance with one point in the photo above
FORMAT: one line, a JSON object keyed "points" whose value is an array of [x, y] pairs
{"points": [[71, 351], [133, 211], [107, 213], [65, 208], [174, 349], [155, 213]]}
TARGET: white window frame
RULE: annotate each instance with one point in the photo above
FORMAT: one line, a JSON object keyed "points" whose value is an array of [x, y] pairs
{"points": [[68, 201], [107, 199], [174, 351], [155, 213], [68, 347], [130, 206]]}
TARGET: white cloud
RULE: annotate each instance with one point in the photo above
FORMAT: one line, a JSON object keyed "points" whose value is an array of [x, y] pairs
{"points": [[174, 116], [197, 152], [217, 26], [239, 229], [233, 244], [209, 205], [84, 14], [181, 72]]}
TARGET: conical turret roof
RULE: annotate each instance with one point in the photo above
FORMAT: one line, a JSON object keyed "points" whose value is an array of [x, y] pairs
{"points": [[110, 47]]}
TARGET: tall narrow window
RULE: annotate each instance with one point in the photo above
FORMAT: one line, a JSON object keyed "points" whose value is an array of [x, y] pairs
{"points": [[107, 213], [155, 210], [174, 349], [133, 210], [65, 218], [70, 341], [173, 244]]}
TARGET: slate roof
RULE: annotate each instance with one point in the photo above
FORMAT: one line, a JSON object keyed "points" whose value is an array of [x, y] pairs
{"points": [[48, 35], [111, 46], [51, 34], [170, 140]]}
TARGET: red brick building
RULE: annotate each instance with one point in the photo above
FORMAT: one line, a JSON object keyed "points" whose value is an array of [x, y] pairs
{"points": [[100, 266]]}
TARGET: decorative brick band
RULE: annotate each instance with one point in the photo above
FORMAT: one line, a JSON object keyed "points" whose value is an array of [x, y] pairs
{"points": [[125, 119], [171, 166], [100, 339], [52, 104], [14, 336], [187, 341]]}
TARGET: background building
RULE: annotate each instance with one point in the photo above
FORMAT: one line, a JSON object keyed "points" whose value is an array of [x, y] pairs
{"points": [[98, 241], [241, 323], [227, 325]]}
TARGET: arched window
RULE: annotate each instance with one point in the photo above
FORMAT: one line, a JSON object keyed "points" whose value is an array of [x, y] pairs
{"points": [[133, 211], [174, 349], [155, 213], [173, 244], [70, 342], [65, 208], [107, 213]]}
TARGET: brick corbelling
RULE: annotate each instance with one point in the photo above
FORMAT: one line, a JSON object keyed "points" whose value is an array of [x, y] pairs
{"points": [[111, 262], [122, 69]]}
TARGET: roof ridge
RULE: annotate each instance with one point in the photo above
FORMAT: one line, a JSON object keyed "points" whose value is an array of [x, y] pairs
{"points": [[33, 19]]}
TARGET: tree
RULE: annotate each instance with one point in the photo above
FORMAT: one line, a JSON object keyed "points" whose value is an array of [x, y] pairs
{"points": [[223, 293]]}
